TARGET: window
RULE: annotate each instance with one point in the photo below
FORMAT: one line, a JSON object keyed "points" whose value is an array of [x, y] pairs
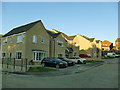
{"points": [[38, 55], [75, 54], [6, 40], [42, 40], [3, 55], [18, 55], [11, 40], [60, 43], [59, 55], [117, 43], [118, 47], [34, 39], [19, 38]]}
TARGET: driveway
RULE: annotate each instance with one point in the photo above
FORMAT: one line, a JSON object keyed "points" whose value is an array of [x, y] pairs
{"points": [[103, 76]]}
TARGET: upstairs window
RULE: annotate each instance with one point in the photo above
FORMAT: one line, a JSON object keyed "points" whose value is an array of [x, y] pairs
{"points": [[19, 38], [34, 39], [60, 43], [42, 40], [6, 40]]}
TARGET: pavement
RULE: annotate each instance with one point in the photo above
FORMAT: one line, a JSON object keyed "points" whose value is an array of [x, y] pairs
{"points": [[85, 76]]}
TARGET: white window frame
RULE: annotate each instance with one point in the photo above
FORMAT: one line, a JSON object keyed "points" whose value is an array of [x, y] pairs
{"points": [[61, 43], [39, 58], [34, 38], [19, 38], [42, 40], [17, 56]]}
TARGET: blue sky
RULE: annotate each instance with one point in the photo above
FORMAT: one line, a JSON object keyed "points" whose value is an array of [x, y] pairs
{"points": [[92, 19]]}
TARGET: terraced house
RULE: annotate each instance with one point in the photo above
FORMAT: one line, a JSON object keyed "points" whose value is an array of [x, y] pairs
{"points": [[107, 45], [29, 41], [57, 45], [72, 50], [86, 45]]}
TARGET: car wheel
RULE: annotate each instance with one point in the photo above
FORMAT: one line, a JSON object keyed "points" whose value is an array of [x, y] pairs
{"points": [[78, 61], [43, 64], [57, 66]]}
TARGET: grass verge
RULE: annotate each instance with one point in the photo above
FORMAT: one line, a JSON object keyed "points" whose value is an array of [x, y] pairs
{"points": [[94, 61], [40, 69]]}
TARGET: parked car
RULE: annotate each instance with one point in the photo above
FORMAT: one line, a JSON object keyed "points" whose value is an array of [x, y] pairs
{"points": [[78, 60], [85, 55], [53, 62], [112, 55], [69, 62]]}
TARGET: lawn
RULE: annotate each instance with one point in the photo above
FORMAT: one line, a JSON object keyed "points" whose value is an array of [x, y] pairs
{"points": [[41, 69]]}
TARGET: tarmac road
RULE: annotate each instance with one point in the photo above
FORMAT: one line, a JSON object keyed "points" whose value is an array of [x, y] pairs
{"points": [[103, 76]]}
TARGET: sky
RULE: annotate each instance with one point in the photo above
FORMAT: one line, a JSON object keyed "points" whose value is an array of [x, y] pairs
{"points": [[97, 20]]}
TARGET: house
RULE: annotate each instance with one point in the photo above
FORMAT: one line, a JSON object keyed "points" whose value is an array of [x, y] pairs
{"points": [[117, 44], [71, 49], [86, 45], [30, 41], [107, 45], [0, 44], [57, 44], [99, 48]]}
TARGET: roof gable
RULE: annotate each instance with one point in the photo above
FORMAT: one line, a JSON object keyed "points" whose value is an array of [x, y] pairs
{"points": [[54, 35], [21, 29]]}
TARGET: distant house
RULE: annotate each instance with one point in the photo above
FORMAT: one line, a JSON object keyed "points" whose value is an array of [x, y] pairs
{"points": [[117, 44], [107, 45], [29, 41], [86, 45], [99, 48]]}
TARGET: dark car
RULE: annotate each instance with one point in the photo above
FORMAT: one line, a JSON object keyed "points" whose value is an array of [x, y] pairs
{"points": [[70, 63], [53, 62]]}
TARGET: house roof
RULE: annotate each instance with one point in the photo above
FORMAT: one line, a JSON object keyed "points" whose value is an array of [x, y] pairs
{"points": [[90, 39], [97, 41], [106, 42], [21, 29], [54, 35], [71, 37], [117, 40], [56, 31]]}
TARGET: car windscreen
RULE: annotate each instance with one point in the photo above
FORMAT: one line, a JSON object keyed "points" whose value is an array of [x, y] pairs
{"points": [[65, 59], [77, 57], [56, 59]]}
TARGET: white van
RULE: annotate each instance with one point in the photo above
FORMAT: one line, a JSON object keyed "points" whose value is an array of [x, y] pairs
{"points": [[112, 55]]}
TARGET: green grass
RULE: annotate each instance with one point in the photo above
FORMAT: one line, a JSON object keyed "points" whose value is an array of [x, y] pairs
{"points": [[107, 57], [40, 69], [94, 61]]}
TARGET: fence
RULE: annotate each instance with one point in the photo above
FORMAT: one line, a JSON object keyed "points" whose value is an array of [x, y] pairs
{"points": [[14, 65]]}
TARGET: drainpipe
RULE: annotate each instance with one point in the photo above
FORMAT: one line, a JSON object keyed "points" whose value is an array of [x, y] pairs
{"points": [[50, 48], [54, 47]]}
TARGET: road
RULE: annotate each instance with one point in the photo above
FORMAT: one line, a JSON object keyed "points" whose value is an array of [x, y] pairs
{"points": [[103, 76]]}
